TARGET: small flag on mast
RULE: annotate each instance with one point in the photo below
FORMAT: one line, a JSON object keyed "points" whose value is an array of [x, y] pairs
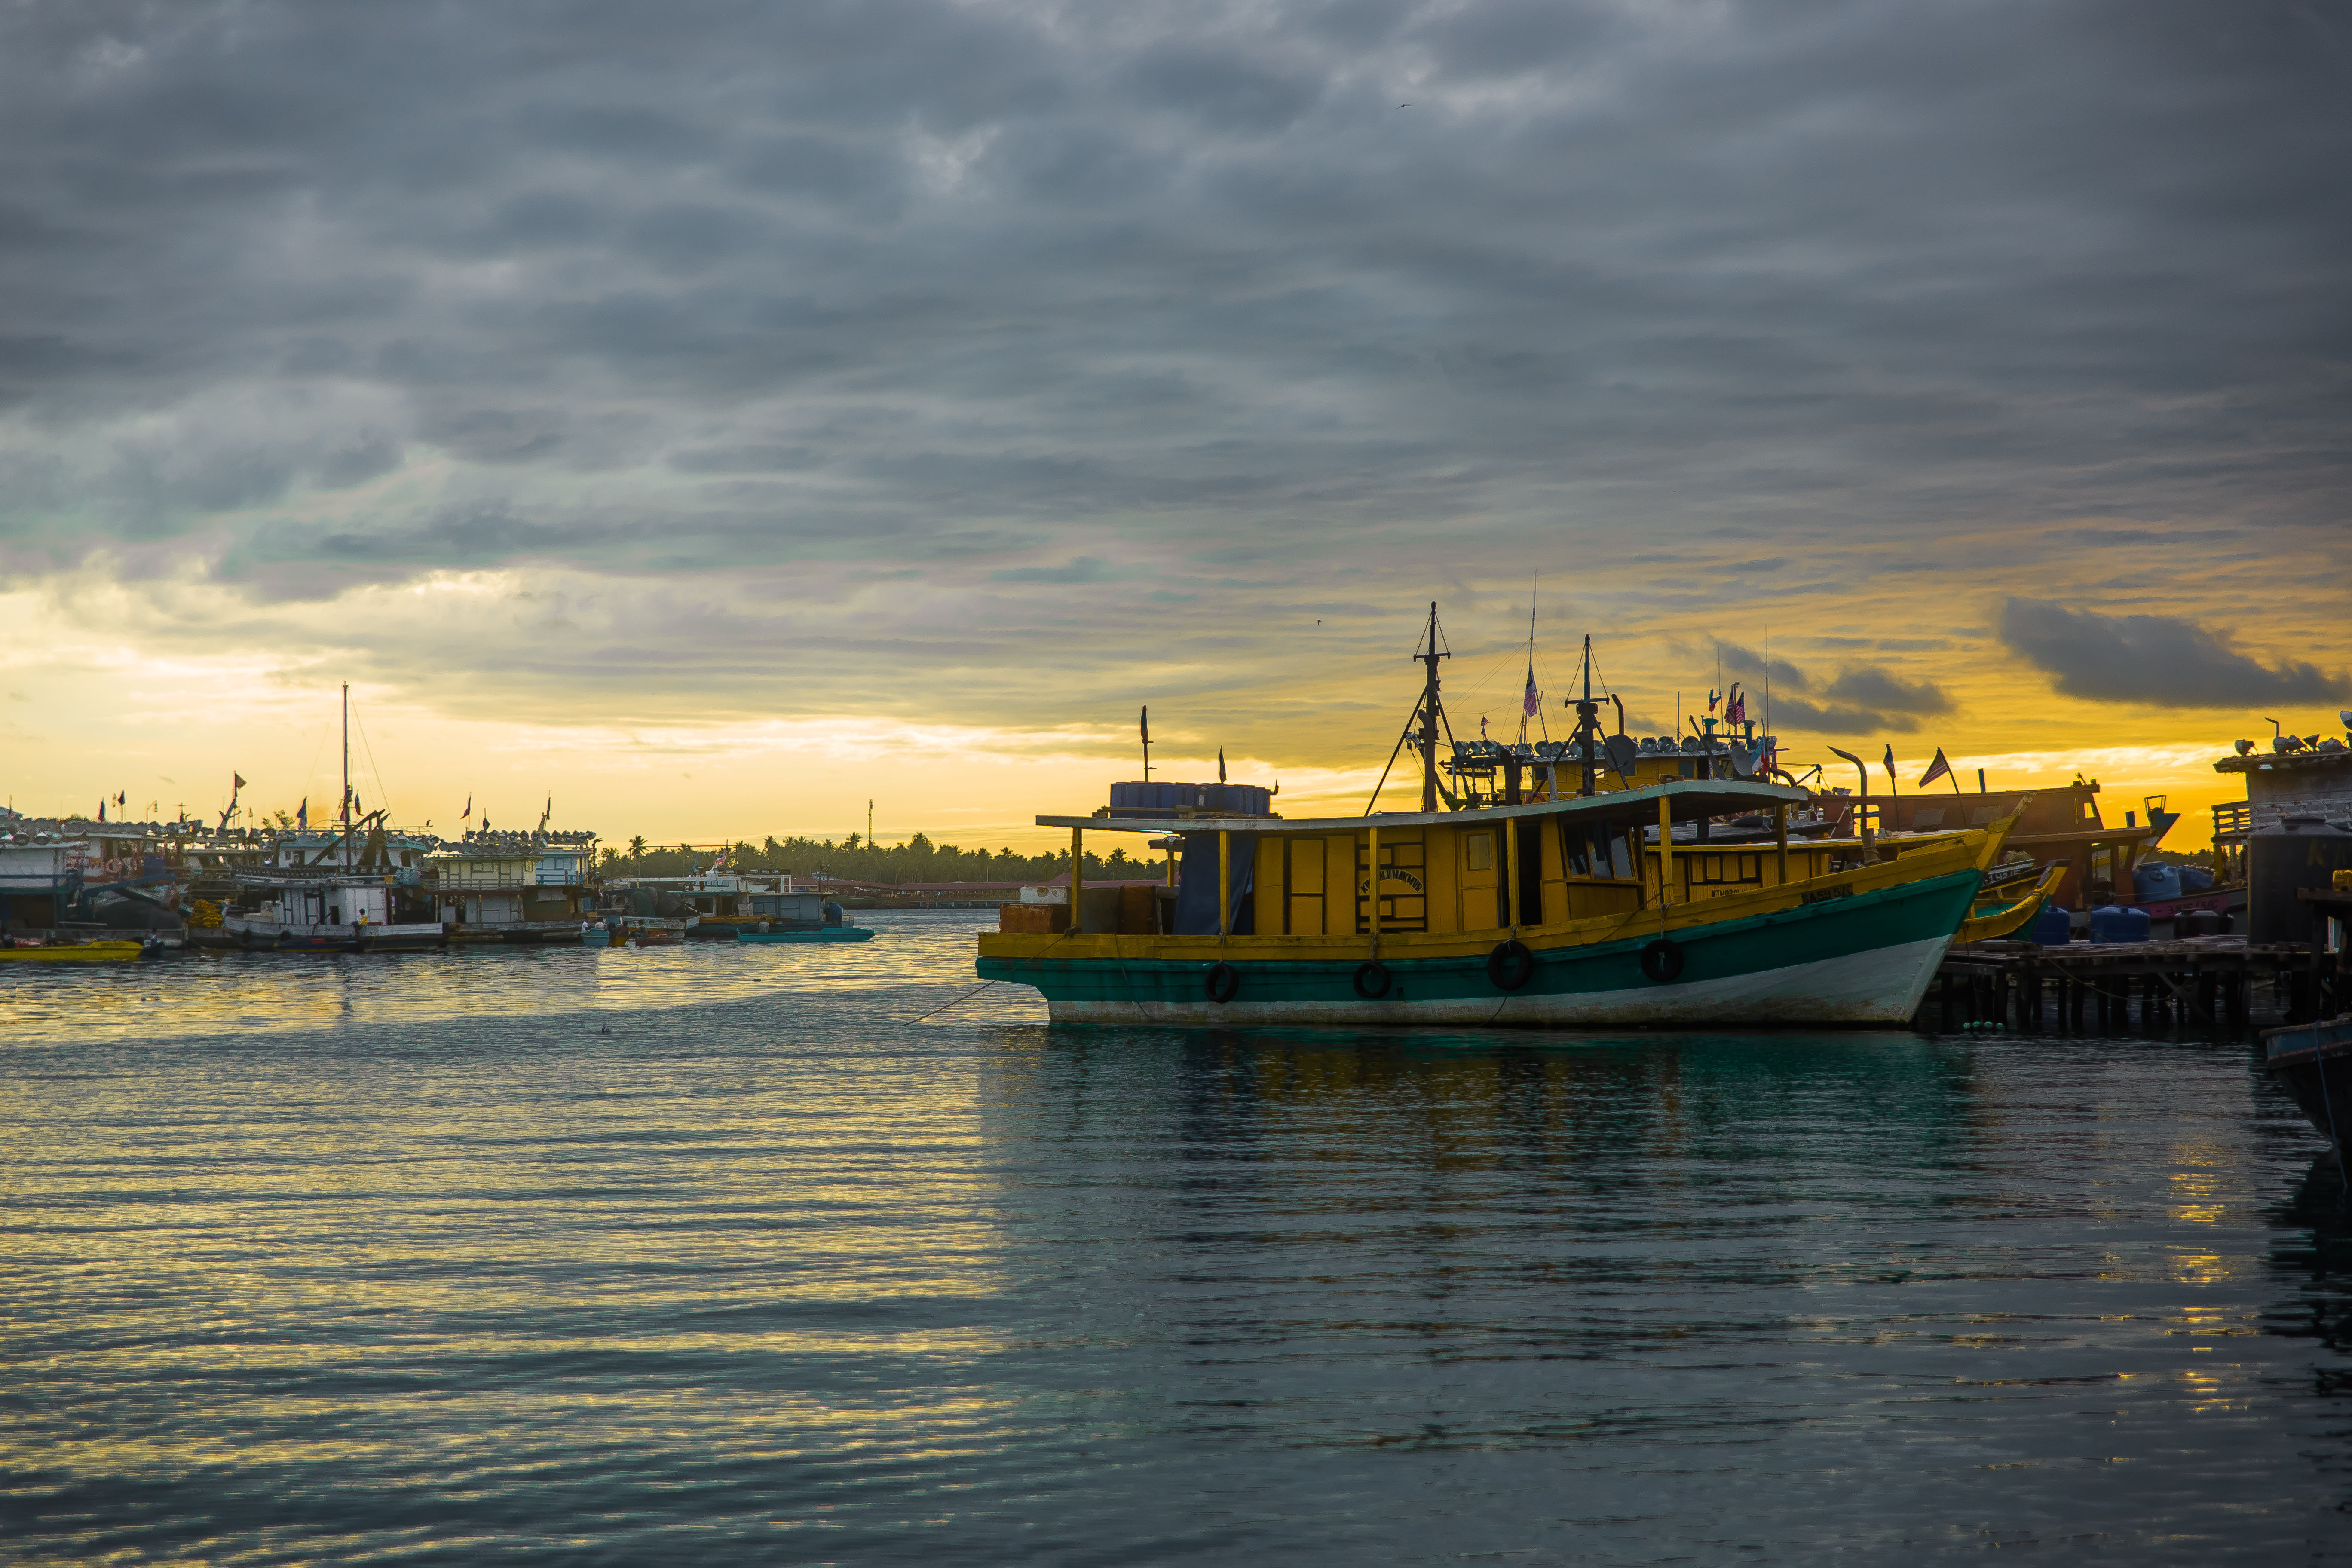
{"points": [[1220, 764], [1530, 702], [1937, 769], [302, 813], [236, 781]]}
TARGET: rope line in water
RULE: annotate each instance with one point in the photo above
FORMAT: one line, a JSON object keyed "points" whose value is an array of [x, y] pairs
{"points": [[945, 1006]]}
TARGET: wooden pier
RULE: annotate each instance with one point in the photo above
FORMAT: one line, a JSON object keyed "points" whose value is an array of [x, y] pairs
{"points": [[2099, 987]]}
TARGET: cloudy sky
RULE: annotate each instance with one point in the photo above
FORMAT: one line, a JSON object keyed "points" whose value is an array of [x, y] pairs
{"points": [[716, 416]]}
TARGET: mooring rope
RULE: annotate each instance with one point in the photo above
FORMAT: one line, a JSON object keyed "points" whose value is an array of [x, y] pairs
{"points": [[945, 1006]]}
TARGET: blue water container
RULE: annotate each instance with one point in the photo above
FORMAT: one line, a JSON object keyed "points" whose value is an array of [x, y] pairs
{"points": [[2110, 923], [2155, 880], [2051, 927]]}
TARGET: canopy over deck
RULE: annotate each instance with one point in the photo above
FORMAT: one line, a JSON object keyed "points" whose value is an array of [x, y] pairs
{"points": [[1686, 799]]}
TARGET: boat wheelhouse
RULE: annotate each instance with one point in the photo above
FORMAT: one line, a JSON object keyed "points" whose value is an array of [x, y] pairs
{"points": [[515, 887], [718, 905], [41, 871], [77, 873], [358, 890]]}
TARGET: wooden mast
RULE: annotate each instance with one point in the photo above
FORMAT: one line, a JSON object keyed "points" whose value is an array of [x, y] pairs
{"points": [[1588, 723], [1429, 711]]}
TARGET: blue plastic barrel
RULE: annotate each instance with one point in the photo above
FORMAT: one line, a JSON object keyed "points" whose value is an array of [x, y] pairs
{"points": [[2155, 880], [2107, 923], [2051, 927]]}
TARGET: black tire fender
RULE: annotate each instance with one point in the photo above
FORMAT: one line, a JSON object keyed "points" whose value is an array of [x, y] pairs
{"points": [[1510, 966], [1372, 980], [1662, 961], [1222, 982]]}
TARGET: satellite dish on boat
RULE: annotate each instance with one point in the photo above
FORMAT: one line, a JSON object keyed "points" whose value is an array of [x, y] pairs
{"points": [[1623, 752], [2245, 748], [1743, 761]]}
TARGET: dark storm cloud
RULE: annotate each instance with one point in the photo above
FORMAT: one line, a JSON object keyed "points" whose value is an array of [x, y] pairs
{"points": [[1746, 664], [2154, 658], [1795, 713], [1018, 291], [1867, 686], [1862, 700]]}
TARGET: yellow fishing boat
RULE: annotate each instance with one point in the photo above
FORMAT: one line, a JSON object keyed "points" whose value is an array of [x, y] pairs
{"points": [[73, 952], [1577, 910]]}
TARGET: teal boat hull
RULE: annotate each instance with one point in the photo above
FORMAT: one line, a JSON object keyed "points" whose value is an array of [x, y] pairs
{"points": [[830, 933], [1863, 960]]}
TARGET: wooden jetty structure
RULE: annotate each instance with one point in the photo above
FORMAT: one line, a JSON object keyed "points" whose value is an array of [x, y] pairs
{"points": [[2101, 987]]}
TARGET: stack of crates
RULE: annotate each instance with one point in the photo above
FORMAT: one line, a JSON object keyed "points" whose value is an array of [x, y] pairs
{"points": [[1158, 799]]}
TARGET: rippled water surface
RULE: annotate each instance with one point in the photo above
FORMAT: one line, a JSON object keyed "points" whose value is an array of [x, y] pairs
{"points": [[726, 1255]]}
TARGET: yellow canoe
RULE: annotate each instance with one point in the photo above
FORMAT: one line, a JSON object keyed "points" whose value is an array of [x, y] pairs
{"points": [[2009, 918], [73, 952]]}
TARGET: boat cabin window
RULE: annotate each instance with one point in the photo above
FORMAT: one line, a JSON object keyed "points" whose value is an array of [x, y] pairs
{"points": [[1478, 852], [1595, 850]]}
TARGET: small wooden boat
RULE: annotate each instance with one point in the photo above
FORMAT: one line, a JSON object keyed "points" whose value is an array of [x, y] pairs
{"points": [[2313, 1061], [658, 939], [2004, 913], [74, 953], [822, 934]]}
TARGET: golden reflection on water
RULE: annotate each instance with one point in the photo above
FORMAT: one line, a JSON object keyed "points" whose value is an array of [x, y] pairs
{"points": [[768, 1241]]}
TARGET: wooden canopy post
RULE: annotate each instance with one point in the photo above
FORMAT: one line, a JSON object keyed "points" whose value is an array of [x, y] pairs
{"points": [[1373, 885], [1780, 837], [1224, 884], [1077, 879], [1666, 852], [1506, 867]]}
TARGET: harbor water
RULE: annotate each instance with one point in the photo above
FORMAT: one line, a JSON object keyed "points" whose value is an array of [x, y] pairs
{"points": [[721, 1253]]}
